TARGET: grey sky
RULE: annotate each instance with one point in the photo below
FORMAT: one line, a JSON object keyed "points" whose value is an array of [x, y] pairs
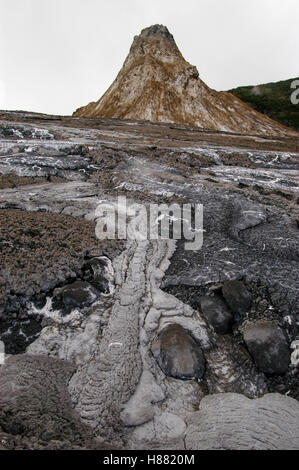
{"points": [[57, 55]]}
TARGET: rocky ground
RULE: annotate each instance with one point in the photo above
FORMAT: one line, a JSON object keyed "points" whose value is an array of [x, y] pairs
{"points": [[144, 344]]}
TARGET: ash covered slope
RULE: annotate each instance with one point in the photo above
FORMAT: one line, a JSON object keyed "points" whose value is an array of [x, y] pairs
{"points": [[157, 84]]}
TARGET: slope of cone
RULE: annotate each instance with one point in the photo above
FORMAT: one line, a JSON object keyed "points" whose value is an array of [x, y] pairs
{"points": [[157, 84]]}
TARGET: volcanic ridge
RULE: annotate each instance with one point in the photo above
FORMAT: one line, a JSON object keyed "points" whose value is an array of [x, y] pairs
{"points": [[157, 84]]}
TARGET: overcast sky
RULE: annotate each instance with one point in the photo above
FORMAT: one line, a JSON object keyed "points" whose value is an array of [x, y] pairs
{"points": [[57, 55]]}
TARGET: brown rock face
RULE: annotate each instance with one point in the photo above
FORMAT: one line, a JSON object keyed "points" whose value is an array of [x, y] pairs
{"points": [[157, 84]]}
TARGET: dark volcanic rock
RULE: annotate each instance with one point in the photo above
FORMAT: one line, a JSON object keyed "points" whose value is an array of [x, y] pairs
{"points": [[217, 314], [39, 301], [17, 334], [268, 345], [79, 294], [34, 400], [178, 354], [237, 296], [230, 368], [39, 252], [95, 273], [19, 442]]}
